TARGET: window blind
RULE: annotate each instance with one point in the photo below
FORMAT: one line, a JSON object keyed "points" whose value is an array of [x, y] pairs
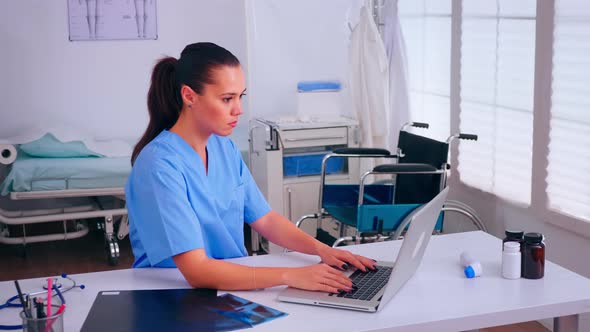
{"points": [[568, 173], [496, 89], [426, 25]]}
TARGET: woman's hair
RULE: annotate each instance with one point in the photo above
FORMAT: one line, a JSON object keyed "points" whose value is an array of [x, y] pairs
{"points": [[193, 69]]}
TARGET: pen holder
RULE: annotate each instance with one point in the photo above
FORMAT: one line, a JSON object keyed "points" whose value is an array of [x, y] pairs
{"points": [[53, 323]]}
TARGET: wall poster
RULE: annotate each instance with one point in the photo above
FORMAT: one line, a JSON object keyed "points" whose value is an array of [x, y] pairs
{"points": [[112, 19]]}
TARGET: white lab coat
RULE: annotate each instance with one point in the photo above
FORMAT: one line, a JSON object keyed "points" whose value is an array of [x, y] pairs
{"points": [[399, 94], [369, 81], [369, 85]]}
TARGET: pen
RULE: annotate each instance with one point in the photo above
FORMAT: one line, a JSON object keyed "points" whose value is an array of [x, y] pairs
{"points": [[30, 305], [22, 299], [61, 309], [49, 287]]}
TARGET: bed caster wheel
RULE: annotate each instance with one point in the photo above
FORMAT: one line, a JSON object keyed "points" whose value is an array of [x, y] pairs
{"points": [[113, 261], [112, 248]]}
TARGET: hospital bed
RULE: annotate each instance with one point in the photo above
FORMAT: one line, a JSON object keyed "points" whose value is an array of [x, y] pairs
{"points": [[66, 191]]}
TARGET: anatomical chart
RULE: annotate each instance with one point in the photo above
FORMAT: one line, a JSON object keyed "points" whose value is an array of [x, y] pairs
{"points": [[112, 19]]}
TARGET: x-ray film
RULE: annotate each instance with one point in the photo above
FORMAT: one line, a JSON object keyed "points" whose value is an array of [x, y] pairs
{"points": [[244, 310]]}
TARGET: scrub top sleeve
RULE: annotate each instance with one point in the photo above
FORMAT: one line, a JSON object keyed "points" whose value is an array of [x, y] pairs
{"points": [[255, 205], [164, 218]]}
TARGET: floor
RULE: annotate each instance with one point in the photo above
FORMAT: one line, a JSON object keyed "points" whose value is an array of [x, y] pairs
{"points": [[81, 255], [87, 255], [521, 327]]}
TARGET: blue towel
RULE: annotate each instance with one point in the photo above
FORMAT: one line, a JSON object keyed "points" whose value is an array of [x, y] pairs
{"points": [[309, 86]]}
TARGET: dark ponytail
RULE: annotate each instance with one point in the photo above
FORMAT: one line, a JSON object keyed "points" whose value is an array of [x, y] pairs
{"points": [[163, 102], [193, 69]]}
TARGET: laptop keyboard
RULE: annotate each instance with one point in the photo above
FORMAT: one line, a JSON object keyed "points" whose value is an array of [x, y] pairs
{"points": [[369, 283]]}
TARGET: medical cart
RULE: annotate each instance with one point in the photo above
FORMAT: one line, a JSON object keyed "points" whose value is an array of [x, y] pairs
{"points": [[285, 157]]}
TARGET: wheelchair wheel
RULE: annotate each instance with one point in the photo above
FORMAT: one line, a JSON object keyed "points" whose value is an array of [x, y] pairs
{"points": [[112, 250]]}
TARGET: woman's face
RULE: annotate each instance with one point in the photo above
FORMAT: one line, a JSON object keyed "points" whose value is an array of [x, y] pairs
{"points": [[219, 105]]}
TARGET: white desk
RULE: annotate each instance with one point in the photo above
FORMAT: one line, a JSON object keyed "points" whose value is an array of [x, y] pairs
{"points": [[437, 298]]}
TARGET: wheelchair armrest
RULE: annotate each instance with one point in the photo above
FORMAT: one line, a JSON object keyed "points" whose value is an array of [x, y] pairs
{"points": [[362, 151], [404, 168]]}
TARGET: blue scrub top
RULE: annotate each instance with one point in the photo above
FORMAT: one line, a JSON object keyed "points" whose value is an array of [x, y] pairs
{"points": [[175, 205]]}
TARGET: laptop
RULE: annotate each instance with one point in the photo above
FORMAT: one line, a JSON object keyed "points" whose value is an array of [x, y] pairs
{"points": [[376, 288]]}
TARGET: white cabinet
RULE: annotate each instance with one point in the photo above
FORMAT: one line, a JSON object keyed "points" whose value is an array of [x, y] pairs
{"points": [[292, 190], [299, 201]]}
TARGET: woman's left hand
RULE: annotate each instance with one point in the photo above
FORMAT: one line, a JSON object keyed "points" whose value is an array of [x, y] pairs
{"points": [[342, 259]]}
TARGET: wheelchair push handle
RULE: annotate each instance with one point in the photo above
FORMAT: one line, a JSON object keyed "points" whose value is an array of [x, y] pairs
{"points": [[471, 137], [420, 125], [468, 137]]}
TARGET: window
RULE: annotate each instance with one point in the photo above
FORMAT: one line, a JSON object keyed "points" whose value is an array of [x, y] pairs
{"points": [[496, 89], [426, 25], [568, 172]]}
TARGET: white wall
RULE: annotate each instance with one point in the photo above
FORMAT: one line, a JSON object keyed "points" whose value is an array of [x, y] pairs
{"points": [[292, 41], [98, 87]]}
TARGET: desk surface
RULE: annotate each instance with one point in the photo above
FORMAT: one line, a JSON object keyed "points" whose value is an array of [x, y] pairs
{"points": [[437, 298]]}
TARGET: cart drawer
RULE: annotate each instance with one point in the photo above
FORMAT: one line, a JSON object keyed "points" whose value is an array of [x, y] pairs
{"points": [[315, 137]]}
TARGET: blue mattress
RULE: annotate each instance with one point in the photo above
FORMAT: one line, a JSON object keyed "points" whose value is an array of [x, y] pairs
{"points": [[33, 174]]}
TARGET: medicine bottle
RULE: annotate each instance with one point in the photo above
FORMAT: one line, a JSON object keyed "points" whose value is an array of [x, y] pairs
{"points": [[516, 236], [511, 257], [471, 267], [533, 256]]}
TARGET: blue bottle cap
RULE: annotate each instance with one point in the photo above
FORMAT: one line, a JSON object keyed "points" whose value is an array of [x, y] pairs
{"points": [[473, 270]]}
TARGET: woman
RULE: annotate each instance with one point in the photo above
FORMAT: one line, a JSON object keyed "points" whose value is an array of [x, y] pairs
{"points": [[189, 192]]}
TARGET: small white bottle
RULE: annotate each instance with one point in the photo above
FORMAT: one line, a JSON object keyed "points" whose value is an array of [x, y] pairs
{"points": [[511, 258], [472, 268]]}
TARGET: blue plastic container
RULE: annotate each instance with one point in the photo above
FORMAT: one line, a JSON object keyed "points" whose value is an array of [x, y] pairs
{"points": [[310, 164]]}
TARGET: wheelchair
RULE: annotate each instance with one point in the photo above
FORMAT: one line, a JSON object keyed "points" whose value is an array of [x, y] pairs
{"points": [[381, 210]]}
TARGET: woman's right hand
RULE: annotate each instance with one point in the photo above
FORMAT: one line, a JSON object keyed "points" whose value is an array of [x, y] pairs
{"points": [[318, 277]]}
